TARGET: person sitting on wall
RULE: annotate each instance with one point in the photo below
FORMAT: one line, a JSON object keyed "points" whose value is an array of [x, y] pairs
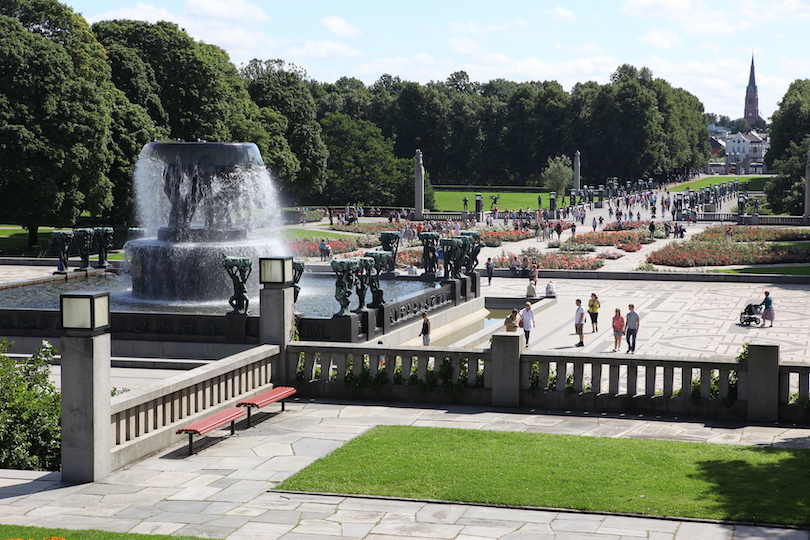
{"points": [[531, 291], [551, 291]]}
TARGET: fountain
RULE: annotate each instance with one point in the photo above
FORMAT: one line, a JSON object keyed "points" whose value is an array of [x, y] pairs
{"points": [[198, 200]]}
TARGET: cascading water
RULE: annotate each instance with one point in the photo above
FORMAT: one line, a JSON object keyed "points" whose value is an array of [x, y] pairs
{"points": [[198, 201]]}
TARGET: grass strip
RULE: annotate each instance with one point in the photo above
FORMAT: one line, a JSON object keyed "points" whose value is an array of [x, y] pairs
{"points": [[18, 532], [782, 270], [664, 478]]}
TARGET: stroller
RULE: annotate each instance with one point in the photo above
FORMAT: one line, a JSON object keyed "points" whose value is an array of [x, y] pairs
{"points": [[750, 314]]}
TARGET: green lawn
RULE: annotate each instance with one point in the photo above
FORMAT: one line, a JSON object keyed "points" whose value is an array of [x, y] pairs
{"points": [[20, 532], [666, 478], [782, 270], [453, 201], [304, 234], [755, 183]]}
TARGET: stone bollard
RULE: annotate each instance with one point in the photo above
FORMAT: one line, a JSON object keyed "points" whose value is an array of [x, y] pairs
{"points": [[506, 350], [763, 382]]}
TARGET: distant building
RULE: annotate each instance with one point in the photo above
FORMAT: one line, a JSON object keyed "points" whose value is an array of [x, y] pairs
{"points": [[751, 112], [745, 153]]}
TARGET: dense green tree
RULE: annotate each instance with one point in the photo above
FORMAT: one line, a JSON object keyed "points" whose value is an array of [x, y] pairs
{"points": [[130, 130], [791, 121], [558, 175], [362, 166], [30, 413], [787, 155], [280, 86], [740, 125], [55, 105]]}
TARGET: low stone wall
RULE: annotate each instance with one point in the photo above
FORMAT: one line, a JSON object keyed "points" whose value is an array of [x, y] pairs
{"points": [[145, 420], [758, 389]]}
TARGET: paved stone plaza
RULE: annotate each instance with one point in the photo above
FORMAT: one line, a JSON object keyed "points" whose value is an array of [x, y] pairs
{"points": [[222, 492]]}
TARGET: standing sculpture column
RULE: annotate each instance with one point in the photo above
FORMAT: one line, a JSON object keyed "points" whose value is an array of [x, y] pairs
{"points": [[806, 217], [576, 170], [419, 187]]}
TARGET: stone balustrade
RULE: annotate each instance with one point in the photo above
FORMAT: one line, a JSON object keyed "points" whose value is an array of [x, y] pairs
{"points": [[145, 420]]}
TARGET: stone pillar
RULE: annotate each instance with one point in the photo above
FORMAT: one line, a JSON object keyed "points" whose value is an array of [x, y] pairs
{"points": [[419, 187], [576, 170], [506, 350], [806, 217], [276, 320], [763, 382], [86, 442]]}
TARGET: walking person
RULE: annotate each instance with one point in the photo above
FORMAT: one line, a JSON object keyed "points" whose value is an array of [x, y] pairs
{"points": [[579, 323], [631, 324], [425, 333], [490, 267], [593, 312], [767, 313], [527, 321], [618, 330]]}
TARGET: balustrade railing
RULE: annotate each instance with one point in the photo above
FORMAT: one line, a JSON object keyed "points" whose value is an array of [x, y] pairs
{"points": [[146, 419]]}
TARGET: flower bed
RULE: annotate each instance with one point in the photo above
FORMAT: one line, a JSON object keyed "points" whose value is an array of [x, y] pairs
{"points": [[555, 261], [611, 238], [310, 248], [747, 233], [629, 247], [695, 253], [496, 238]]}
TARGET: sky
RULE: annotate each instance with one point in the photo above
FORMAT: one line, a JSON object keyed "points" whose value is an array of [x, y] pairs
{"points": [[704, 47]]}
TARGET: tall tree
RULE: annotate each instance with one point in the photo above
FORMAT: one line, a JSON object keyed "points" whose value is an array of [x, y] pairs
{"points": [[281, 87], [55, 102], [362, 166]]}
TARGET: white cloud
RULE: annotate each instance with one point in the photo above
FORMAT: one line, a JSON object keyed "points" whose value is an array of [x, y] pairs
{"points": [[464, 45], [238, 11], [323, 49], [661, 39], [564, 14], [471, 27], [340, 27], [141, 12]]}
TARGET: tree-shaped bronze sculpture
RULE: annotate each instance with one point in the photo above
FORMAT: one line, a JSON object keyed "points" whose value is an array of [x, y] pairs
{"points": [[390, 242], [83, 238], [60, 243], [430, 259], [364, 267], [239, 269], [381, 260], [104, 242], [346, 272]]}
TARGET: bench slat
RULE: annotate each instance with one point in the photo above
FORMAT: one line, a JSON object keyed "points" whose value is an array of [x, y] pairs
{"points": [[276, 394], [210, 423]]}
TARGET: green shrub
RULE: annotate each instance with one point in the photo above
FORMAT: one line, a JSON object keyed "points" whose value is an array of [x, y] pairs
{"points": [[30, 413]]}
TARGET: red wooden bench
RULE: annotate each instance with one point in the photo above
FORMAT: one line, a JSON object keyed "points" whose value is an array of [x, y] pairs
{"points": [[210, 423], [279, 393]]}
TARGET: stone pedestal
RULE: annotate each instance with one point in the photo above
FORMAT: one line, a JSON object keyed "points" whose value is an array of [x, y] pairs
{"points": [[236, 327], [763, 382], [506, 350], [347, 327], [276, 323], [86, 442]]}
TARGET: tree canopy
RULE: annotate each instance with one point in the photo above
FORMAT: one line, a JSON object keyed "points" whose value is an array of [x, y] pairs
{"points": [[55, 104]]}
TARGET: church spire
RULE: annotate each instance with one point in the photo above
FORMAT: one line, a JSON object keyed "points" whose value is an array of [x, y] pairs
{"points": [[751, 112], [752, 81]]}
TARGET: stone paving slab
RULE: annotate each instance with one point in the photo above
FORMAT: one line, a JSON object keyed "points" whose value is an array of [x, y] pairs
{"points": [[217, 495]]}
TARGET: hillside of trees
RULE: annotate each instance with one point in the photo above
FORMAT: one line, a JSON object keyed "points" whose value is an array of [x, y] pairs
{"points": [[78, 103]]}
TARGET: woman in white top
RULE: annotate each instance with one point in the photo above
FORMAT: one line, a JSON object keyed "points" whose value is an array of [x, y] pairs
{"points": [[527, 318]]}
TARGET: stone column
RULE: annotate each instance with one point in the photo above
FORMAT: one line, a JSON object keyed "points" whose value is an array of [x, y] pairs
{"points": [[86, 442], [419, 187], [763, 382], [576, 170], [506, 350], [276, 320], [806, 217]]}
